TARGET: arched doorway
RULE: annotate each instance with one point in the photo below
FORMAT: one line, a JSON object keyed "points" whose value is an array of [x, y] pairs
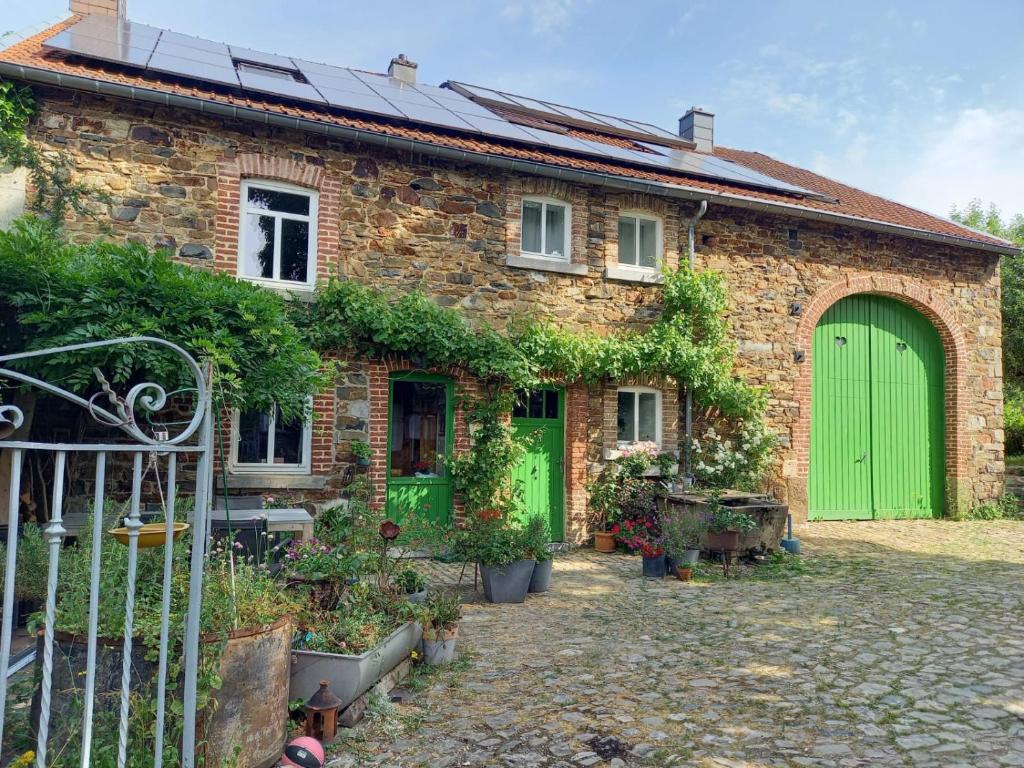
{"points": [[877, 412]]}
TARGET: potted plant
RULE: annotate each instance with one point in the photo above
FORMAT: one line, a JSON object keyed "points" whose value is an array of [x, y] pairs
{"points": [[684, 572], [603, 497], [441, 626], [537, 537], [324, 569], [363, 453], [724, 525], [681, 530], [654, 559], [500, 549], [411, 584]]}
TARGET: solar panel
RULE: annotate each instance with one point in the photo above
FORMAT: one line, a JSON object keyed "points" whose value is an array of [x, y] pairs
{"points": [[108, 39], [454, 106]]}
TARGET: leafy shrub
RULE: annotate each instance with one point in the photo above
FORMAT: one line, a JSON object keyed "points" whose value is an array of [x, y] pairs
{"points": [[410, 581], [1014, 422], [740, 461], [1006, 507]]}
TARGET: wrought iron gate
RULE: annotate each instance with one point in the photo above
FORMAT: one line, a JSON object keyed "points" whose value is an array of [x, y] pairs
{"points": [[137, 415]]}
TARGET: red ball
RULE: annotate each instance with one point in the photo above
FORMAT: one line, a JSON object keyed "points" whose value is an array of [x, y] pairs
{"points": [[304, 752]]}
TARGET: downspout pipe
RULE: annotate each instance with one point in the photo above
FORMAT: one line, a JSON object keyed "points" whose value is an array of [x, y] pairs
{"points": [[692, 258]]}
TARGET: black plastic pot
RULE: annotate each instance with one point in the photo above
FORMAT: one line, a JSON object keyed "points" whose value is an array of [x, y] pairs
{"points": [[654, 567], [507, 583], [540, 581]]}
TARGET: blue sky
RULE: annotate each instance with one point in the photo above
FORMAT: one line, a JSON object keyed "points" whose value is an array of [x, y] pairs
{"points": [[920, 101]]}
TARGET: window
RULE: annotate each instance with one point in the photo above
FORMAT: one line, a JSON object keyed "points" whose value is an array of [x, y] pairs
{"points": [[266, 442], [268, 70], [545, 228], [639, 416], [277, 242], [419, 428], [639, 241], [536, 404]]}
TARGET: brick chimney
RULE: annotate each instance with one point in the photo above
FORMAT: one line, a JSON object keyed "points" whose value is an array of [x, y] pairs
{"points": [[99, 7], [402, 69], [698, 126]]}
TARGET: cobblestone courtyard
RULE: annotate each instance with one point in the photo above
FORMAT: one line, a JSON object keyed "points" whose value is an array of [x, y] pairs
{"points": [[902, 643]]}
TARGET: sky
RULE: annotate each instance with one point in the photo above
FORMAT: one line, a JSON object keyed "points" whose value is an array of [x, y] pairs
{"points": [[921, 101]]}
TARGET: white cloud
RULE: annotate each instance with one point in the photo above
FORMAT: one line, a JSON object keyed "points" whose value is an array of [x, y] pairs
{"points": [[979, 154], [546, 18]]}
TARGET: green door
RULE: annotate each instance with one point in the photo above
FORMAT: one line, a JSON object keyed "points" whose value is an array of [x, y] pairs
{"points": [[540, 416], [877, 432], [421, 419]]}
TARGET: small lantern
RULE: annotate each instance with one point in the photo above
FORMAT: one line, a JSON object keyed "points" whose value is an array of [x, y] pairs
{"points": [[322, 714]]}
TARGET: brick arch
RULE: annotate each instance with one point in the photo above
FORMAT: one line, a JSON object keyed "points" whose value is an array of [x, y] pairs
{"points": [[251, 165], [954, 344]]}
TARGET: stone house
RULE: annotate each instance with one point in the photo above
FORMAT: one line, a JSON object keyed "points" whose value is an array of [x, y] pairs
{"points": [[283, 171]]}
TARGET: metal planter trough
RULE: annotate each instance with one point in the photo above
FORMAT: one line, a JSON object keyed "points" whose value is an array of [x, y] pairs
{"points": [[350, 676]]}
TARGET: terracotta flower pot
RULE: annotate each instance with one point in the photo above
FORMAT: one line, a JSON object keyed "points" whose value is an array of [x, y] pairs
{"points": [[684, 573], [604, 541]]}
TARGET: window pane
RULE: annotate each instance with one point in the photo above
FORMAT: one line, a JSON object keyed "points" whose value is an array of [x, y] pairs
{"points": [[294, 250], [554, 243], [418, 424], [287, 441], [283, 202], [531, 227], [258, 259], [253, 431], [648, 417], [627, 416], [550, 404], [536, 404], [648, 243], [519, 409], [627, 240]]}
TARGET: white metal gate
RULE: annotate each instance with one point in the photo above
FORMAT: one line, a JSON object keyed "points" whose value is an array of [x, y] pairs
{"points": [[136, 415]]}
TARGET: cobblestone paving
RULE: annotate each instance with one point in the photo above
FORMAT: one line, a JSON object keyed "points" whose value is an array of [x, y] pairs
{"points": [[901, 645]]}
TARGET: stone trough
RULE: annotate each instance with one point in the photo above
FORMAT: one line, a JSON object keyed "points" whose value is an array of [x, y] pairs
{"points": [[769, 515]]}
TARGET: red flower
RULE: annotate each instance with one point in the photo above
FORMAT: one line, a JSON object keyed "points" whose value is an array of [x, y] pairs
{"points": [[389, 530], [629, 525], [648, 523], [616, 528], [489, 514]]}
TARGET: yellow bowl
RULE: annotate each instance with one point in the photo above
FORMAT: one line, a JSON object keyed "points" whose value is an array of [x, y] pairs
{"points": [[150, 534]]}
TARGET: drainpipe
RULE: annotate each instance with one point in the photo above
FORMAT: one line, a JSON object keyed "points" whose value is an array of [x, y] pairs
{"points": [[687, 457]]}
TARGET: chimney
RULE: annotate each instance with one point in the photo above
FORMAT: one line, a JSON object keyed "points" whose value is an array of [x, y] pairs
{"points": [[698, 126], [99, 7], [402, 69]]}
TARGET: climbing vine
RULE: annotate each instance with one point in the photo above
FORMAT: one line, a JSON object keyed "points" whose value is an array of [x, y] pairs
{"points": [[689, 342], [54, 191]]}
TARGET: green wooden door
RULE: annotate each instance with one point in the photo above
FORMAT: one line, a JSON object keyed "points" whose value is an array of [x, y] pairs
{"points": [[539, 418], [421, 418], [877, 432]]}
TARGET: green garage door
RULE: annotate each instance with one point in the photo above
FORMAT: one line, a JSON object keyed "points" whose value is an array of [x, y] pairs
{"points": [[878, 428]]}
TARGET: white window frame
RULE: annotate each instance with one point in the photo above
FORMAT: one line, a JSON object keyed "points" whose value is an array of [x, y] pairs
{"points": [[303, 468], [243, 216], [567, 236], [637, 391], [659, 246]]}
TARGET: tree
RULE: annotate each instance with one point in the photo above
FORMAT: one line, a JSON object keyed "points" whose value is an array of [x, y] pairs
{"points": [[990, 220]]}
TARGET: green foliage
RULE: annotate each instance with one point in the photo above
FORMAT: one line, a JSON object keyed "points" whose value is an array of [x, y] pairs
{"points": [[1006, 507], [490, 539], [1012, 268], [410, 581], [688, 342], [483, 475], [719, 518], [1013, 412], [57, 293], [681, 530], [622, 492], [361, 450], [444, 610], [536, 537], [51, 173]]}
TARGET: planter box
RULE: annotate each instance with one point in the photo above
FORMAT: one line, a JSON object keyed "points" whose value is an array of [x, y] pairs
{"points": [[508, 583], [540, 581], [769, 515], [350, 676]]}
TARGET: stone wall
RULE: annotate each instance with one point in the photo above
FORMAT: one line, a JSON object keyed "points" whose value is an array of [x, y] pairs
{"points": [[405, 221]]}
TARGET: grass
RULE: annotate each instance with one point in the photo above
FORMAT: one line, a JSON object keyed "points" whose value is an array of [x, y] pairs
{"points": [[1015, 461]]}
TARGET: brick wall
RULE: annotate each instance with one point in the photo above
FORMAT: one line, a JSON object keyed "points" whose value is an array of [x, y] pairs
{"points": [[405, 221]]}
